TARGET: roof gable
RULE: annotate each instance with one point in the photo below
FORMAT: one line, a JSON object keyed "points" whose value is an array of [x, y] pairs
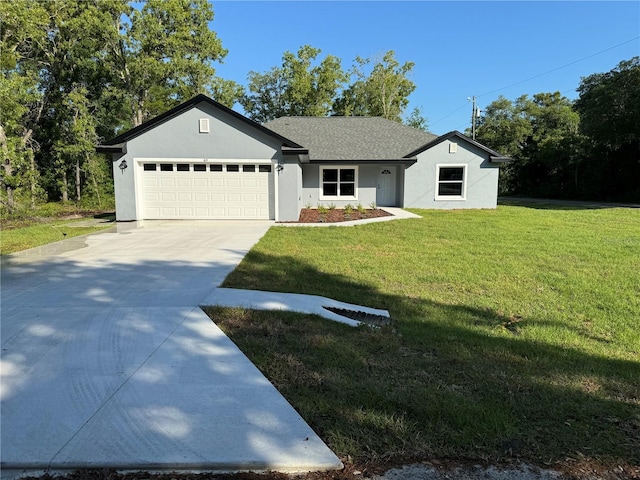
{"points": [[351, 138], [121, 139], [493, 156]]}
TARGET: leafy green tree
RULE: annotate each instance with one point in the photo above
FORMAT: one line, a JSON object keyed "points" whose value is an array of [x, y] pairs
{"points": [[383, 92], [74, 79], [417, 120], [76, 139], [165, 56], [609, 108], [22, 31], [609, 105], [505, 127], [541, 135], [300, 87]]}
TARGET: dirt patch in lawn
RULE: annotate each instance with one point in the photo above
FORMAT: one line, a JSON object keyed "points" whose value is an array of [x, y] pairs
{"points": [[336, 215]]}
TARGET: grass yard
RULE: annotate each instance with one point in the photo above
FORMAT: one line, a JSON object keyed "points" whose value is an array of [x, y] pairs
{"points": [[516, 333], [35, 234]]}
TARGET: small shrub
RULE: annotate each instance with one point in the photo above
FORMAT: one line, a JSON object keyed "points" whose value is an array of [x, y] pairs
{"points": [[372, 205], [348, 209], [322, 209], [361, 209], [332, 206]]}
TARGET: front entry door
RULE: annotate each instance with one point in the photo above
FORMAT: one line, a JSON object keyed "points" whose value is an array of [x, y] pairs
{"points": [[386, 194]]}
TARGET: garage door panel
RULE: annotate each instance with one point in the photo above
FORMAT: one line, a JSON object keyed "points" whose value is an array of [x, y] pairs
{"points": [[250, 197], [151, 196], [172, 194], [200, 197]]}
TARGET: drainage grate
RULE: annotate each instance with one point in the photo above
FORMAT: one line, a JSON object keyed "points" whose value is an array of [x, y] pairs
{"points": [[364, 317]]}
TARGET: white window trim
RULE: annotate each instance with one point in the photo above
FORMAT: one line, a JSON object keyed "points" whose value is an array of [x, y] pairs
{"points": [[321, 195], [465, 168]]}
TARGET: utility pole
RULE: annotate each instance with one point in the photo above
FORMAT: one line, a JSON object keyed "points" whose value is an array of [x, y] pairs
{"points": [[474, 114]]}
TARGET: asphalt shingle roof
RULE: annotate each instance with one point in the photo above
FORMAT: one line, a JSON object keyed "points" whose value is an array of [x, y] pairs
{"points": [[351, 138]]}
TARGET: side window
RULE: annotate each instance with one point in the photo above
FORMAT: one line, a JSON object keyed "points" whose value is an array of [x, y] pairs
{"points": [[451, 181]]}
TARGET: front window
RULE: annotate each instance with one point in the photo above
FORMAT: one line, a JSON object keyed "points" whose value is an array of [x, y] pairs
{"points": [[451, 183], [338, 182]]}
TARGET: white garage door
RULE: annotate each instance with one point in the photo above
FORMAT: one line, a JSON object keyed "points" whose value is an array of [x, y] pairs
{"points": [[206, 191]]}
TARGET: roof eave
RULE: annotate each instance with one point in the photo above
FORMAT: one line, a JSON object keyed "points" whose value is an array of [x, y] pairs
{"points": [[116, 148], [346, 161], [499, 159]]}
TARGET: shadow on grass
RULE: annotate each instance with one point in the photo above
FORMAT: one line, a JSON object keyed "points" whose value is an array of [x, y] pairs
{"points": [[446, 380], [559, 204]]}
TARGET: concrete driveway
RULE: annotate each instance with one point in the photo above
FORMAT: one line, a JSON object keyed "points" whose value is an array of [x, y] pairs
{"points": [[107, 361]]}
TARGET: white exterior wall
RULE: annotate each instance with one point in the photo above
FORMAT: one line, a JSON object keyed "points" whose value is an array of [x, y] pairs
{"points": [[229, 139], [420, 180]]}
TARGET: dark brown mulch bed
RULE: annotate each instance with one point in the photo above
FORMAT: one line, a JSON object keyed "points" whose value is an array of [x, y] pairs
{"points": [[312, 215]]}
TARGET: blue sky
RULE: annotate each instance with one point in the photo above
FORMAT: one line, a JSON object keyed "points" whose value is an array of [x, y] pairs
{"points": [[460, 49]]}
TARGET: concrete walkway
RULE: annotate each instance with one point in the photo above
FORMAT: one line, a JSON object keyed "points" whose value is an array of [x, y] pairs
{"points": [[107, 361]]}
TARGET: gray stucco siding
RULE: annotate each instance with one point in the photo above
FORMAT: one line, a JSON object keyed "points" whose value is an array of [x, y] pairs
{"points": [[228, 138], [366, 187], [289, 178], [179, 138], [420, 179]]}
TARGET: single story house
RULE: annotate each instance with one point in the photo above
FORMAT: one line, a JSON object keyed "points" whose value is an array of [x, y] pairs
{"points": [[202, 160]]}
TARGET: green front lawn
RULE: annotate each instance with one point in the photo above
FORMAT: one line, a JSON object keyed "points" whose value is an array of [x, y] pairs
{"points": [[34, 234], [515, 333]]}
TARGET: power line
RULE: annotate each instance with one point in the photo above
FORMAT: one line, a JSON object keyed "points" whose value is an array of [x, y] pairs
{"points": [[448, 115], [559, 68]]}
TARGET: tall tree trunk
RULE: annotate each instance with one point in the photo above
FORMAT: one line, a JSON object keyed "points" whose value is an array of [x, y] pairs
{"points": [[92, 172], [78, 189], [32, 179], [65, 187], [7, 167]]}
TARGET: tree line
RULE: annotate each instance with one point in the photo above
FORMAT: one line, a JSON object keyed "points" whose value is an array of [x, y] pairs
{"points": [[75, 73], [583, 149]]}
